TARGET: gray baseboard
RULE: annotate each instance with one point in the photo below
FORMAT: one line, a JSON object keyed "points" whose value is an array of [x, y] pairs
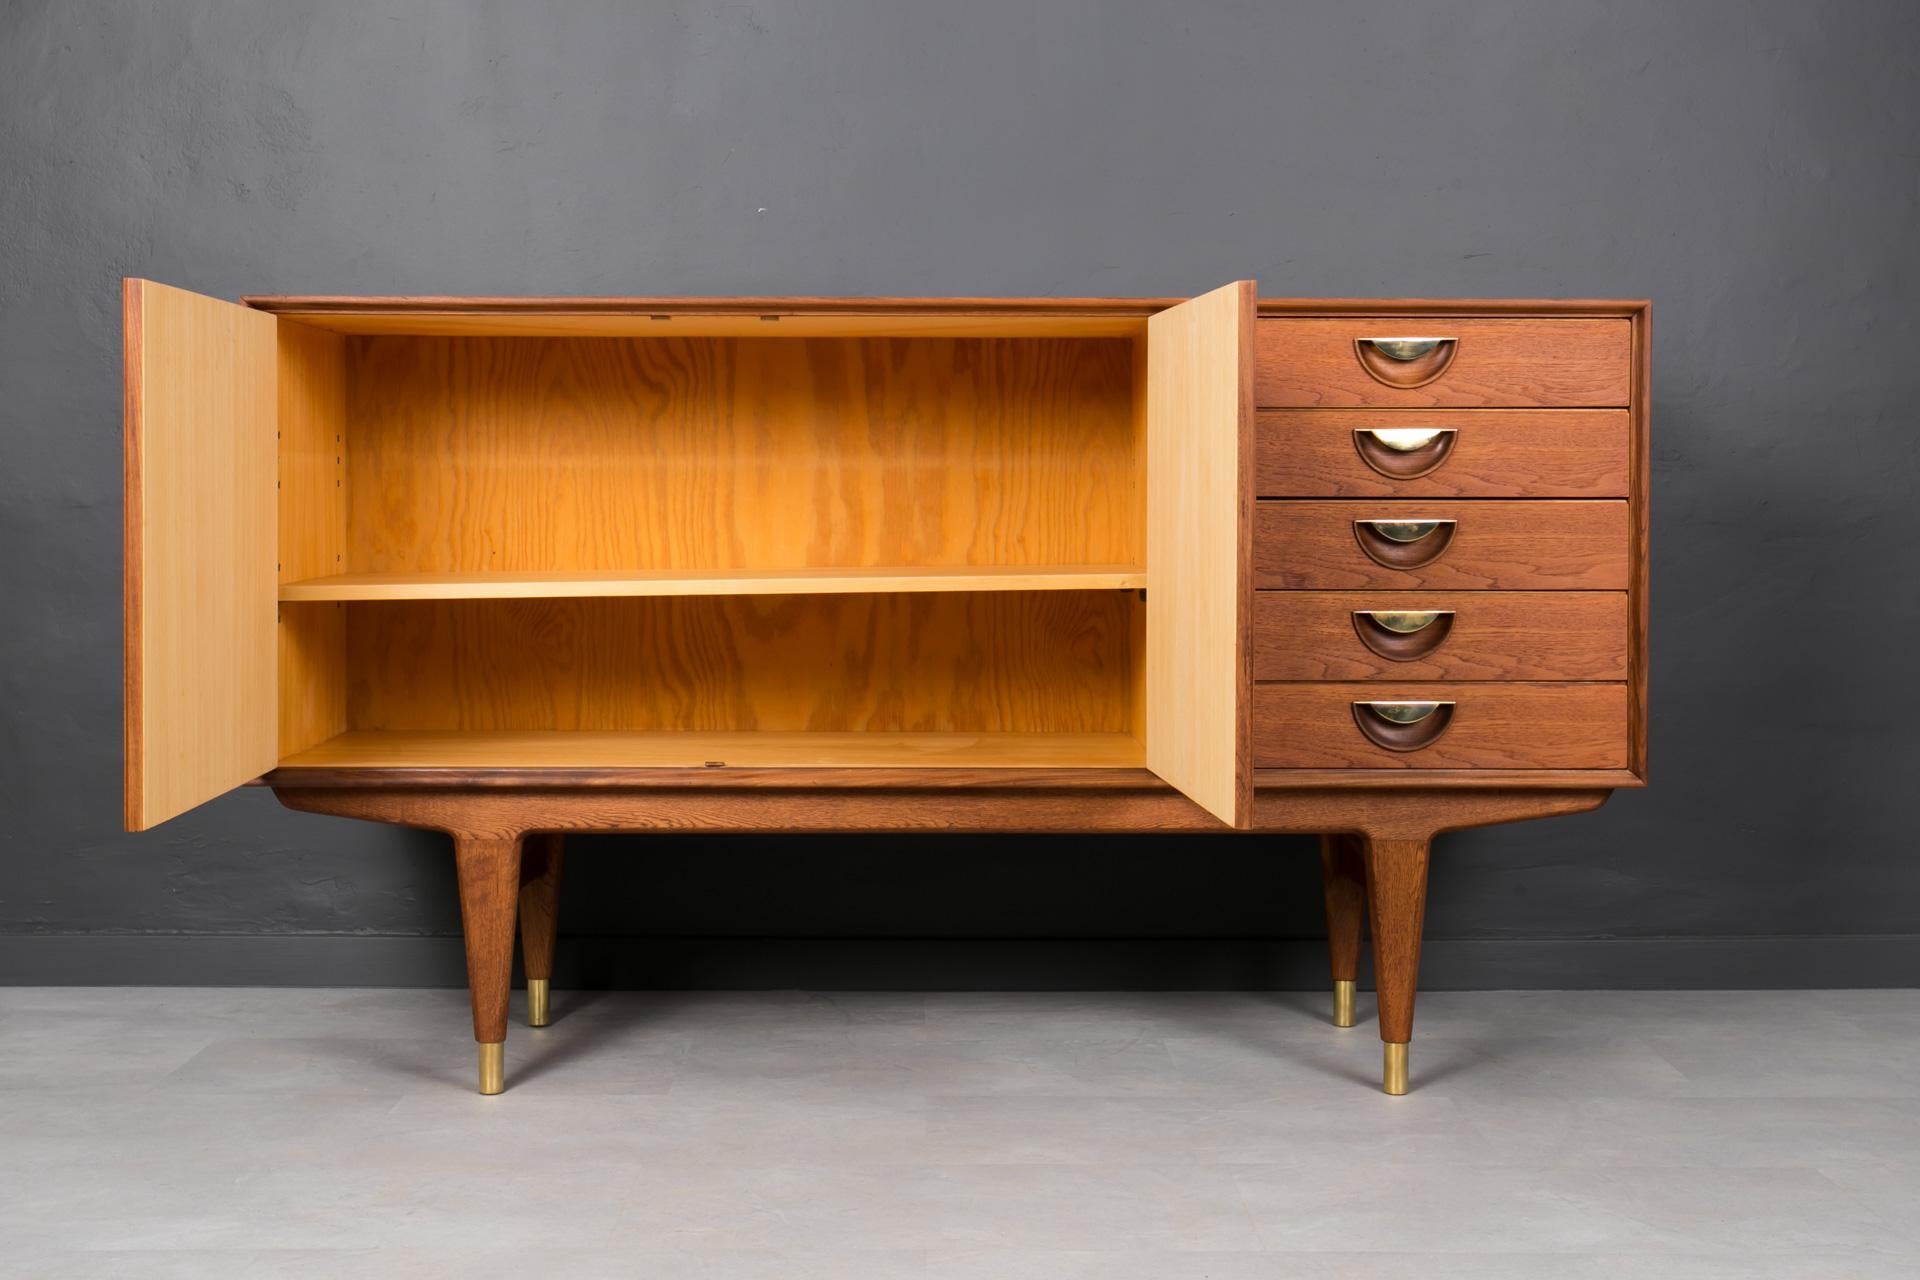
{"points": [[952, 964]]}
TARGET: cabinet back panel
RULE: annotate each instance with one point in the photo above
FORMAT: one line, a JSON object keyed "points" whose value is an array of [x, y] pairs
{"points": [[556, 454], [1020, 662]]}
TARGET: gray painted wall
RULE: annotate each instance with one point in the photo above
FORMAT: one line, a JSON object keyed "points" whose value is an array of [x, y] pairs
{"points": [[1751, 166]]}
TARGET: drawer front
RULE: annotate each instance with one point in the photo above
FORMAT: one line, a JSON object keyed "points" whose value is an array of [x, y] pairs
{"points": [[1515, 546], [1478, 726], [1492, 453], [1440, 635], [1310, 362]]}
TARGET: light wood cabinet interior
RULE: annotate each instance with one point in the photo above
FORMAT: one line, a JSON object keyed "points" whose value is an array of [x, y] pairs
{"points": [[565, 540]]}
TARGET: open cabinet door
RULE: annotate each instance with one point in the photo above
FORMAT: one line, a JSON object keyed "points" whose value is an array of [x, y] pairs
{"points": [[1199, 539], [201, 649]]}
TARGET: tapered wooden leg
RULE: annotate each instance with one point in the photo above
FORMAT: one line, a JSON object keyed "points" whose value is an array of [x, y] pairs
{"points": [[540, 864], [489, 893], [1343, 874], [1397, 898]]}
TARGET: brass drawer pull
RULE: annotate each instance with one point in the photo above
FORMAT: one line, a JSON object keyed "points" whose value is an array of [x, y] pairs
{"points": [[1403, 712], [1404, 622], [1405, 439], [1397, 725], [1404, 544], [1404, 453], [1405, 363], [1402, 635], [1405, 531], [1405, 349]]}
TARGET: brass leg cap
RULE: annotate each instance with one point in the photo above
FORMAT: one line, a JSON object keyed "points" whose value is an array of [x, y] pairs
{"points": [[1393, 1070], [538, 994], [1343, 1002], [493, 1068]]}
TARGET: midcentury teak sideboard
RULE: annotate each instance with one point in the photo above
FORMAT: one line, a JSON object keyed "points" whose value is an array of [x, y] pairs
{"points": [[509, 568]]}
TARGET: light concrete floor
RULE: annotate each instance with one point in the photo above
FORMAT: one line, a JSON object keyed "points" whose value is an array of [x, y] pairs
{"points": [[266, 1133]]}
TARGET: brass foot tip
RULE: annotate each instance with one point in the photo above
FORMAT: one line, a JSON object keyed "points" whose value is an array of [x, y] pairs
{"points": [[538, 994], [1343, 1002], [1393, 1070], [493, 1068]]}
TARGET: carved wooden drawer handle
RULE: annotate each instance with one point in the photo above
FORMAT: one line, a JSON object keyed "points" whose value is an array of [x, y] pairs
{"points": [[1405, 362], [1404, 453], [1401, 635], [1403, 544], [1403, 725]]}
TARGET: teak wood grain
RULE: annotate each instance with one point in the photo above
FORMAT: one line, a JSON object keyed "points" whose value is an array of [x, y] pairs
{"points": [[1504, 362], [1491, 726], [1343, 881], [1439, 308], [1494, 545], [1048, 661], [488, 869], [1397, 902], [1494, 453], [1199, 499], [542, 864], [201, 695], [1490, 635], [532, 455], [508, 813], [1641, 527]]}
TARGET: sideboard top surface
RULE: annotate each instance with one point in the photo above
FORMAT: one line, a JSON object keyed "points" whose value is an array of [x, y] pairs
{"points": [[315, 306]]}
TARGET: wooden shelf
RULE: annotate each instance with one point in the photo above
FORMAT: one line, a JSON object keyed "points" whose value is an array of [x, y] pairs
{"points": [[527, 586], [382, 749]]}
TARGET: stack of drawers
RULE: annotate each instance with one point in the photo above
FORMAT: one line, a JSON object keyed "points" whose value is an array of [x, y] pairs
{"points": [[1441, 547]]}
